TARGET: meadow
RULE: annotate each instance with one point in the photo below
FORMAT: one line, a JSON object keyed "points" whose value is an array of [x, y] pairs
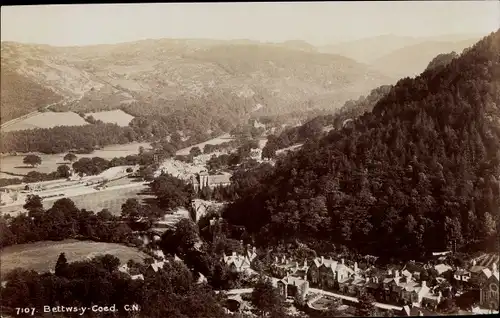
{"points": [[42, 256], [14, 164], [46, 120], [116, 116]]}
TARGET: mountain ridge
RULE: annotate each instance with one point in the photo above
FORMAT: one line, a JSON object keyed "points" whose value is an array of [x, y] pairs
{"points": [[150, 72]]}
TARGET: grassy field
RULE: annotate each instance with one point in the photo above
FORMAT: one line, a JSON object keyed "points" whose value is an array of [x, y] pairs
{"points": [[42, 256], [47, 120], [117, 116], [14, 164]]}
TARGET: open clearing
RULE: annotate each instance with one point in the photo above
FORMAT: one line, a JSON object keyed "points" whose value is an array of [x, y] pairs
{"points": [[47, 120], [14, 164], [117, 116], [42, 256], [215, 141]]}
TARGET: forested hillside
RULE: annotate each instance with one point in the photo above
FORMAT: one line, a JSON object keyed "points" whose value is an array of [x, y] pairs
{"points": [[419, 173], [315, 127], [20, 95]]}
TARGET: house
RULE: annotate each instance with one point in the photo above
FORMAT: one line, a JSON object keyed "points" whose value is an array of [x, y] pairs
{"points": [[405, 290], [237, 263], [135, 277], [201, 279], [462, 275], [155, 266], [124, 269], [283, 267], [158, 254], [489, 296], [330, 273], [476, 270], [203, 180], [442, 268], [414, 268], [293, 287]]}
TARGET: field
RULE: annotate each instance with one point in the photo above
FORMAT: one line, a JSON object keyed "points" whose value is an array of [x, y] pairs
{"points": [[92, 200], [118, 117], [14, 164], [47, 120], [42, 256], [215, 141]]}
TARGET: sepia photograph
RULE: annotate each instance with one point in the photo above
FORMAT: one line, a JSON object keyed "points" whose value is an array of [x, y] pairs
{"points": [[250, 159]]}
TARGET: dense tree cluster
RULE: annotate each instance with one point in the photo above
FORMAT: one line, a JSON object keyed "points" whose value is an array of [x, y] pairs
{"points": [[442, 60], [315, 127], [419, 173], [62, 221], [171, 192], [98, 282]]}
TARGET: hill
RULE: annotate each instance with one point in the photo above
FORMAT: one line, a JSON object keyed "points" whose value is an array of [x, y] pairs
{"points": [[158, 77], [417, 174], [412, 60], [368, 50], [22, 95]]}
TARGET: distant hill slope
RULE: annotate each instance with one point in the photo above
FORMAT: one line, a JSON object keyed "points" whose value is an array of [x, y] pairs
{"points": [[419, 173], [22, 95], [153, 77], [370, 49], [412, 60]]}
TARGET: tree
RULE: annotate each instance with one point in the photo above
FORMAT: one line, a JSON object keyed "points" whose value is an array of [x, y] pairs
{"points": [[195, 151], [63, 171], [71, 157], [32, 160], [365, 307], [33, 203], [265, 297], [61, 265], [132, 209], [332, 310]]}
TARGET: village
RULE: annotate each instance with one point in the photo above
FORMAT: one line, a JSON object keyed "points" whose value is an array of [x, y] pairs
{"points": [[411, 289]]}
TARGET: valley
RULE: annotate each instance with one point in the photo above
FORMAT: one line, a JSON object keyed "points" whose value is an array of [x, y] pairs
{"points": [[181, 163]]}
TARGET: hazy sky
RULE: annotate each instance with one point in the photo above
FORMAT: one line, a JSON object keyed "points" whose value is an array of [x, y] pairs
{"points": [[317, 23]]}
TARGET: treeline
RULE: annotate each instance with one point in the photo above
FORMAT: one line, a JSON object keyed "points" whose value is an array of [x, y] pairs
{"points": [[65, 138], [62, 221], [417, 174], [315, 128]]}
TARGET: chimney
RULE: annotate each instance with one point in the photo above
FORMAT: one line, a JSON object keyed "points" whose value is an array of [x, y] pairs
{"points": [[254, 250], [342, 260], [322, 259], [305, 262], [234, 254], [284, 259], [355, 266], [276, 259], [424, 283], [473, 262]]}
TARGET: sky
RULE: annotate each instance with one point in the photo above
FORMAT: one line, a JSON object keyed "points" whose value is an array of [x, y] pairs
{"points": [[318, 23]]}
